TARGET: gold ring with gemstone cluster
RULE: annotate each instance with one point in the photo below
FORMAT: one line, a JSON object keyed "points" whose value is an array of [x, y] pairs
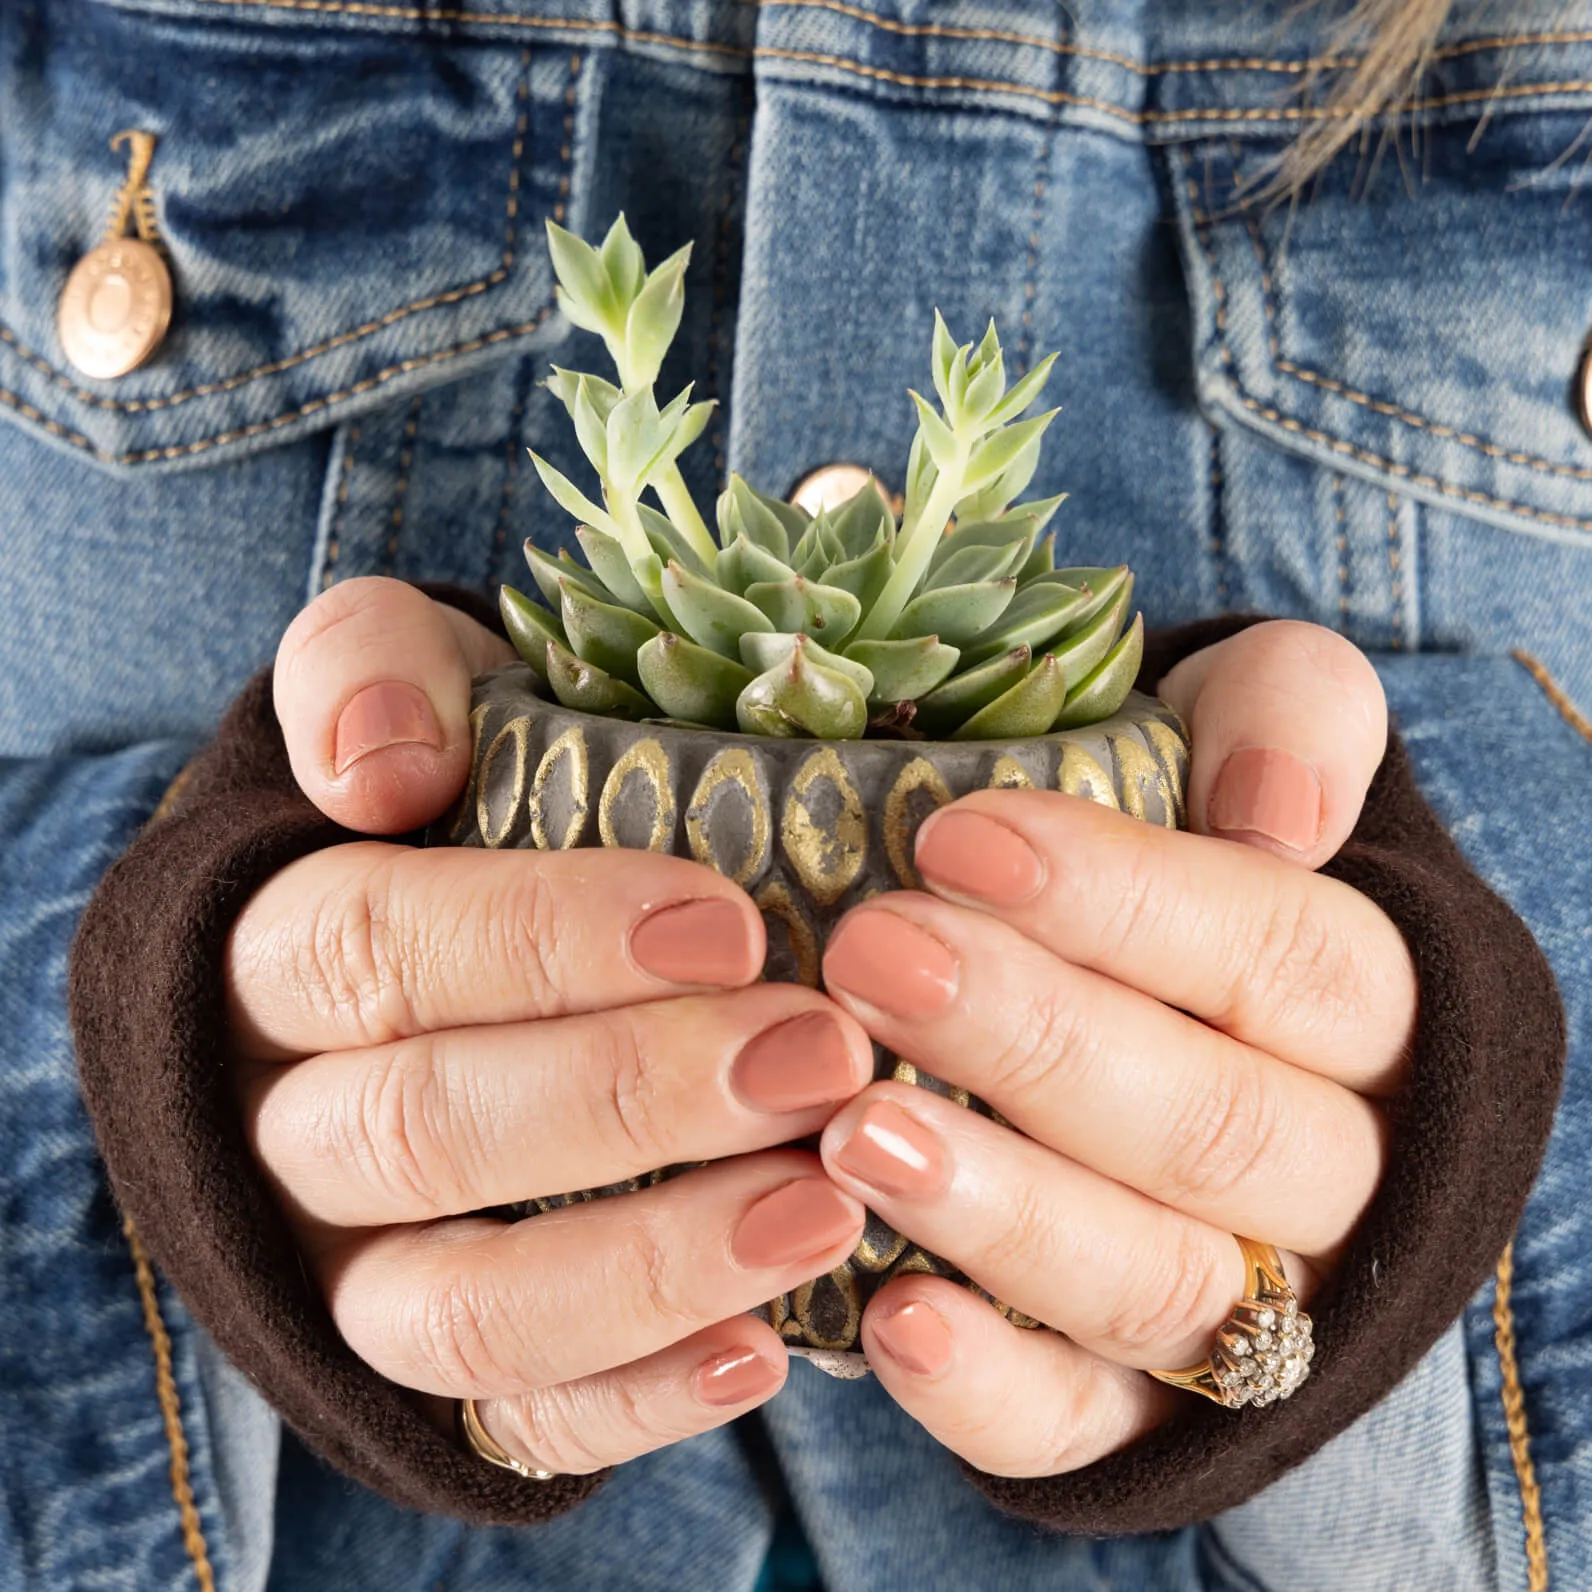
{"points": [[484, 1446], [1263, 1349]]}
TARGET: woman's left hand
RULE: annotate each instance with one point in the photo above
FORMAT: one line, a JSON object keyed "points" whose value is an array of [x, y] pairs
{"points": [[1189, 1037]]}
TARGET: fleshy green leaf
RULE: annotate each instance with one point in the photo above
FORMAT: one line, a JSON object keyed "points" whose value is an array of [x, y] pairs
{"points": [[1103, 587], [1007, 531], [989, 349], [860, 521], [903, 671], [584, 687], [1081, 651], [864, 577], [800, 697], [1038, 614], [1028, 708], [953, 703], [937, 436], [690, 682], [547, 572], [1022, 394], [943, 356], [602, 634], [941, 709], [763, 652], [711, 617], [743, 512], [743, 562], [669, 541], [530, 628], [591, 428], [1106, 689], [955, 613], [984, 390], [990, 459], [972, 563], [563, 384], [654, 319], [609, 564], [804, 605], [571, 499], [623, 261], [1040, 562], [586, 295], [992, 498]]}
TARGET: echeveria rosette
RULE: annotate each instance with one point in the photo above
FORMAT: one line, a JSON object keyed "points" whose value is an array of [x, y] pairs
{"points": [[792, 624]]}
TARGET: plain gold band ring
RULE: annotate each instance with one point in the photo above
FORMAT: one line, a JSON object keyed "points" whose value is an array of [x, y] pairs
{"points": [[484, 1446], [1264, 1347]]}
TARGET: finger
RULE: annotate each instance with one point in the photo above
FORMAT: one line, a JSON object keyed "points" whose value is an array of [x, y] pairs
{"points": [[367, 943], [475, 1308], [1010, 1400], [1119, 1273], [372, 688], [595, 1421], [1288, 961], [1110, 1078], [1288, 723], [451, 1122]]}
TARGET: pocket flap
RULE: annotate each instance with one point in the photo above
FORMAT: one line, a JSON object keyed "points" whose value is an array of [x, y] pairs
{"points": [[347, 215], [1401, 326]]}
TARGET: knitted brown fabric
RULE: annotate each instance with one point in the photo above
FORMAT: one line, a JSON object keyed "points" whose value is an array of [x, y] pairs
{"points": [[147, 1008]]}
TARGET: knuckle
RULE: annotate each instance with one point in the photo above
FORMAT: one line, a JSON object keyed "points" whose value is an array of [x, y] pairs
{"points": [[463, 1339], [1304, 971], [517, 925], [1171, 1299], [1223, 1138], [1028, 1241], [624, 1101], [655, 1283], [1051, 1036], [554, 1429], [397, 1132]]}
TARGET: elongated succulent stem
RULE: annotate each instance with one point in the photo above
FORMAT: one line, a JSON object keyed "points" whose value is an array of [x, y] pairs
{"points": [[628, 522], [919, 539], [675, 497]]}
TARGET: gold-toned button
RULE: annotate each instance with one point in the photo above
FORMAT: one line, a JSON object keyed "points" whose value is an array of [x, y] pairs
{"points": [[829, 487], [115, 308], [1583, 391]]}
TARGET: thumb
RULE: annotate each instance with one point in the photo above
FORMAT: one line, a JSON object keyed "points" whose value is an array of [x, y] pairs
{"points": [[372, 689], [1288, 724]]}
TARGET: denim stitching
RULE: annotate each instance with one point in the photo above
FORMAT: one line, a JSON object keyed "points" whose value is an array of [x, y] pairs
{"points": [[1025, 343], [1341, 542], [406, 459], [735, 185], [1402, 471], [1512, 1394], [1395, 572], [193, 1536], [287, 362], [334, 540], [1555, 694]]}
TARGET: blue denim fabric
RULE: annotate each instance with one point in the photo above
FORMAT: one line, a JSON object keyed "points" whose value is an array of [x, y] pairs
{"points": [[1355, 410]]}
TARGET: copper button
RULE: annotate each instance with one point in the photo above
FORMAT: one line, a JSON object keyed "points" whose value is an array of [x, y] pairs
{"points": [[115, 308], [829, 487], [1583, 391]]}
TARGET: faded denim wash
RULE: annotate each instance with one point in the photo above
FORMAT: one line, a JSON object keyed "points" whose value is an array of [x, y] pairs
{"points": [[1355, 410]]}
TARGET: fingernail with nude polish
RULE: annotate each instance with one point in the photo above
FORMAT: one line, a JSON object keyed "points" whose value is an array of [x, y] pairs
{"points": [[1264, 791], [804, 1061], [798, 1220], [890, 1150], [917, 1337], [390, 713], [696, 942], [734, 1377], [972, 855], [881, 958]]}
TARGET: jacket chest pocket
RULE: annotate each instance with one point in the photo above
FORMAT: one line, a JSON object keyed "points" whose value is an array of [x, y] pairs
{"points": [[1421, 329], [344, 211]]}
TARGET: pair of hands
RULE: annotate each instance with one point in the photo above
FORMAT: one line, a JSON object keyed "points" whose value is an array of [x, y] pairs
{"points": [[1189, 1033]]}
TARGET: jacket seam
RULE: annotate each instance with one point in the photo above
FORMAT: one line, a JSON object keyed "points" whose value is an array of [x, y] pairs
{"points": [[1403, 472], [1513, 1395], [1555, 693], [289, 361], [1382, 406], [193, 1536]]}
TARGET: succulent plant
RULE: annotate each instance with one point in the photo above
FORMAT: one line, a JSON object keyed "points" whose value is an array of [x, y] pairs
{"points": [[953, 623]]}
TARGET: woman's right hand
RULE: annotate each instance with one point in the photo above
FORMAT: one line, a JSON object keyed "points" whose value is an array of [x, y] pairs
{"points": [[420, 1034]]}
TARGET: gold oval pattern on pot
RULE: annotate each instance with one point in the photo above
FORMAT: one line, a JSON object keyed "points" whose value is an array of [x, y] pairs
{"points": [[902, 815], [847, 813], [826, 848], [648, 762], [731, 793], [558, 817]]}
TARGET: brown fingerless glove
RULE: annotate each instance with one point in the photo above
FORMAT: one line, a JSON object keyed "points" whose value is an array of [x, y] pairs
{"points": [[148, 1011]]}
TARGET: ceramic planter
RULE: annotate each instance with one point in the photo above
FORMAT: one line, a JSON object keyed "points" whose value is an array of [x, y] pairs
{"points": [[808, 829]]}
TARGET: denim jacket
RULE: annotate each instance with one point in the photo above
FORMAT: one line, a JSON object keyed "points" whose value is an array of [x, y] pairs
{"points": [[1357, 409]]}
